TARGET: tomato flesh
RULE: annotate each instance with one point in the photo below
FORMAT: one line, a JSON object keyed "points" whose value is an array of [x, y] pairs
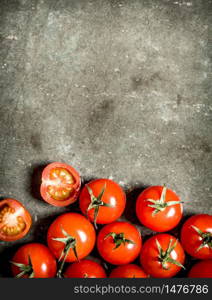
{"points": [[15, 220], [61, 184], [13, 224]]}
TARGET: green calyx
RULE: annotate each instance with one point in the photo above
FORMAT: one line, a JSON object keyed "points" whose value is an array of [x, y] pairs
{"points": [[160, 205], [70, 243], [206, 238], [24, 269], [164, 255], [118, 239], [96, 202]]}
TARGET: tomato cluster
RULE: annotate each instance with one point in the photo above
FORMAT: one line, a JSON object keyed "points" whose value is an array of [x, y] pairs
{"points": [[72, 236]]}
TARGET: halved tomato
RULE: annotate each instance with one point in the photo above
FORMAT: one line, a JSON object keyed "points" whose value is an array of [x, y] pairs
{"points": [[60, 184], [15, 220]]}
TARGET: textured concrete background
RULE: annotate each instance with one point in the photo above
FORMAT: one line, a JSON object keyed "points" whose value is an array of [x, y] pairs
{"points": [[118, 89]]}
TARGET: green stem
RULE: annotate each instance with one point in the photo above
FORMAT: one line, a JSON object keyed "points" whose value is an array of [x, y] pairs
{"points": [[206, 238], [118, 239], [96, 202], [164, 255], [70, 243], [160, 204], [24, 269]]}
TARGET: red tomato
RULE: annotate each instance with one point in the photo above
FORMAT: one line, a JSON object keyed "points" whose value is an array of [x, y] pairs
{"points": [[34, 260], [196, 236], [128, 271], [85, 269], [71, 237], [162, 256], [102, 200], [202, 269], [159, 208], [15, 220], [60, 184], [119, 243]]}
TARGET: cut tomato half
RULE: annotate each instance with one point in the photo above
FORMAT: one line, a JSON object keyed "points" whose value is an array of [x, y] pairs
{"points": [[15, 220], [60, 184]]}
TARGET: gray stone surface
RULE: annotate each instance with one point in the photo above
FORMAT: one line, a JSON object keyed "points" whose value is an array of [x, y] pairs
{"points": [[118, 89]]}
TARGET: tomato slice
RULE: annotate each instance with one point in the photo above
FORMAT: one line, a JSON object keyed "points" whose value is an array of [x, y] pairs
{"points": [[15, 220], [60, 184]]}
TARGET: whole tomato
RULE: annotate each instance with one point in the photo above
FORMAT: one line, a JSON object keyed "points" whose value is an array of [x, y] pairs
{"points": [[34, 260], [196, 236], [159, 208], [70, 237], [60, 184], [119, 243], [15, 220], [102, 200], [128, 271], [85, 269], [202, 269], [162, 256]]}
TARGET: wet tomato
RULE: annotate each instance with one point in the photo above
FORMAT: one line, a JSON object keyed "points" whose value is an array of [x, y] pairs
{"points": [[202, 269], [119, 243], [34, 260], [85, 269], [102, 200], [15, 220], [162, 256], [70, 237], [128, 271], [60, 184], [196, 236], [159, 208]]}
